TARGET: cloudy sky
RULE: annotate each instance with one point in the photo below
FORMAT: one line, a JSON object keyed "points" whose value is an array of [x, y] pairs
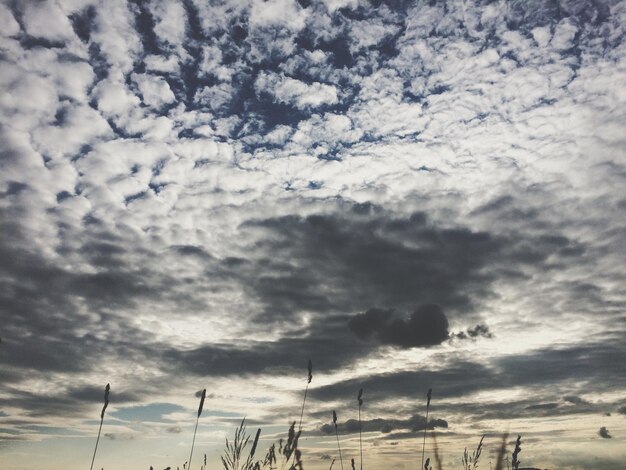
{"points": [[205, 194]]}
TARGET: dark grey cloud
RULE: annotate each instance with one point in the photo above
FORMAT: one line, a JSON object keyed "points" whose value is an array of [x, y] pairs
{"points": [[478, 331], [59, 402], [453, 381], [363, 256], [287, 355], [576, 400], [524, 409], [427, 326], [597, 366], [414, 423], [542, 406], [370, 257]]}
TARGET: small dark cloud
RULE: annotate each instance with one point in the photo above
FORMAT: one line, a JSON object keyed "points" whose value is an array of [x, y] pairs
{"points": [[575, 400], [622, 410], [173, 430], [543, 406], [385, 426], [478, 331], [191, 250], [427, 326], [604, 433], [497, 204]]}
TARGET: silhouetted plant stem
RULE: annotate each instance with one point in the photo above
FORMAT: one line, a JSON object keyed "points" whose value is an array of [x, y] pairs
{"points": [[502, 453], [337, 435], [94, 451], [106, 403], [193, 442], [428, 396], [310, 377], [438, 461], [360, 400]]}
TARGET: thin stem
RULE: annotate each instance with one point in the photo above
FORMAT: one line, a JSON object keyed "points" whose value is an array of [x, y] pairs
{"points": [[424, 442], [302, 411], [360, 437], [97, 440], [193, 442], [339, 447]]}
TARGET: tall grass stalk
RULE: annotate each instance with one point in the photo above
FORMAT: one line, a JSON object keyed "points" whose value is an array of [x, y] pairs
{"points": [[337, 435], [193, 443], [106, 403], [360, 400], [438, 461], [428, 396], [502, 452], [306, 390]]}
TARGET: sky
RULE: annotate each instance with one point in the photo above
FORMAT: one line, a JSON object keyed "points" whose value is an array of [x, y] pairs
{"points": [[412, 194]]}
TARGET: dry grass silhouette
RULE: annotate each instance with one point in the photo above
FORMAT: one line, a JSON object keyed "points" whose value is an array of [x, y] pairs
{"points": [[285, 454]]}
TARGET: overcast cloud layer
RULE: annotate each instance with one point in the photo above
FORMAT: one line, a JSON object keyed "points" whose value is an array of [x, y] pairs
{"points": [[412, 194]]}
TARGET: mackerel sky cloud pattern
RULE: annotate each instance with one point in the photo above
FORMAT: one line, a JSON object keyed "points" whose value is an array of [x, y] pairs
{"points": [[199, 194]]}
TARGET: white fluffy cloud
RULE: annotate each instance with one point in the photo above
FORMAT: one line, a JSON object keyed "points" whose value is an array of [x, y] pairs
{"points": [[295, 92], [46, 20], [277, 13], [171, 21], [154, 90], [114, 98], [8, 25]]}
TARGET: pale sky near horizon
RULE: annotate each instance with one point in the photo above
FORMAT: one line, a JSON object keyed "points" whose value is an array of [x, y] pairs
{"points": [[413, 194]]}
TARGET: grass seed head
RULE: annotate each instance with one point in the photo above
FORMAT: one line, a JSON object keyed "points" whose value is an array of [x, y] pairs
{"points": [[201, 402], [254, 444], [514, 461], [106, 400]]}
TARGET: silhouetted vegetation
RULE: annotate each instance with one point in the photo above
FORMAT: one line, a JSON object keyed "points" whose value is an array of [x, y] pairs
{"points": [[286, 455]]}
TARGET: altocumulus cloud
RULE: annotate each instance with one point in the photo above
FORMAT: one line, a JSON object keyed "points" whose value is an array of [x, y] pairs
{"points": [[225, 190]]}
